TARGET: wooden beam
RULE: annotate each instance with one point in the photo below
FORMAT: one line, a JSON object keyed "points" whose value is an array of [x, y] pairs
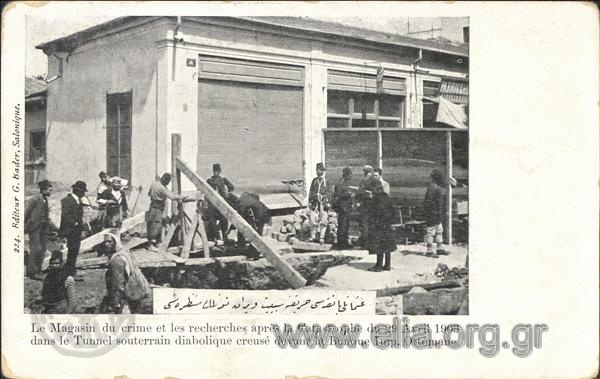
{"points": [[164, 244], [176, 184], [101, 261], [404, 289], [294, 279], [202, 231], [187, 242], [90, 242], [308, 246], [168, 256], [379, 150]]}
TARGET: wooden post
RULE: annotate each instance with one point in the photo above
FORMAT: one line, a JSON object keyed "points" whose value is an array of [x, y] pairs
{"points": [[379, 150], [176, 153], [187, 242], [449, 197], [202, 230], [293, 277]]}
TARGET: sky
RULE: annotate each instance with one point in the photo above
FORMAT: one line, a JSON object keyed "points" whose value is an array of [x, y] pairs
{"points": [[43, 29]]}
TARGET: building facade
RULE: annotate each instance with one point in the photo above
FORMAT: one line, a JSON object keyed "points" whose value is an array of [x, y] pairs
{"points": [[267, 98]]}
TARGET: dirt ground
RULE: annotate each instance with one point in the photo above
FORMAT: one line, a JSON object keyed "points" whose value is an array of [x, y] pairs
{"points": [[409, 266]]}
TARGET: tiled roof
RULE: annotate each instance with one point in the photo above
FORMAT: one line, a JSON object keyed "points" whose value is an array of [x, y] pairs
{"points": [[34, 86], [327, 27], [306, 25]]}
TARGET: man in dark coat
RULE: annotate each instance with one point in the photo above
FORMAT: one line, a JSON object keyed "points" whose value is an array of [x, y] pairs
{"points": [[433, 210], [342, 204], [364, 199], [381, 236], [224, 188], [37, 226], [71, 222], [318, 200]]}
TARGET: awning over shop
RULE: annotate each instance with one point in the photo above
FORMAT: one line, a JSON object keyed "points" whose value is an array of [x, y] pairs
{"points": [[449, 113]]}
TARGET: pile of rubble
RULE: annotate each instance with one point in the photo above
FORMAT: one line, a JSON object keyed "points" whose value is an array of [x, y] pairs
{"points": [[297, 227]]}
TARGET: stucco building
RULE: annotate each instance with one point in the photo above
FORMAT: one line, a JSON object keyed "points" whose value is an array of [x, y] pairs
{"points": [[267, 97]]}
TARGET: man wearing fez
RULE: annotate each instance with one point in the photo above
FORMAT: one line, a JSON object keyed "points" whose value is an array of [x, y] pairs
{"points": [[342, 204], [71, 222], [158, 193], [433, 211], [37, 226], [318, 200], [365, 202], [224, 188]]}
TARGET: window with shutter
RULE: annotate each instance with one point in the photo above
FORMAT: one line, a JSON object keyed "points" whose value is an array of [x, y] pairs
{"points": [[118, 134]]}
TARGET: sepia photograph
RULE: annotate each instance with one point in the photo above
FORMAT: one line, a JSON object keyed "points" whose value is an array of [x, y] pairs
{"points": [[293, 189], [251, 153]]}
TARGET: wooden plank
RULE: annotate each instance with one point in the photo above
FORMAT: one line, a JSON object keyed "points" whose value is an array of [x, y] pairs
{"points": [[392, 291], [309, 246], [187, 242], [167, 256], [294, 279], [89, 262], [102, 261], [134, 242]]}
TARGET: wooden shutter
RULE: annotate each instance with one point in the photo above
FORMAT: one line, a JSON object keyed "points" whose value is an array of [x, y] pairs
{"points": [[118, 134], [349, 81]]}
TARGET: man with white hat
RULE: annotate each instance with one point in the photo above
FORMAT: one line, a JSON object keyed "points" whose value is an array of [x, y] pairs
{"points": [[115, 202]]}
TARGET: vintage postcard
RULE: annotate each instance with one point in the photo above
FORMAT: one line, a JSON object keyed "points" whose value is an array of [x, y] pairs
{"points": [[197, 189]]}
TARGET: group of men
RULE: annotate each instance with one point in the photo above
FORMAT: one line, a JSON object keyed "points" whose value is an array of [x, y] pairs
{"points": [[159, 193], [58, 287], [375, 210], [40, 227], [371, 197], [339, 197]]}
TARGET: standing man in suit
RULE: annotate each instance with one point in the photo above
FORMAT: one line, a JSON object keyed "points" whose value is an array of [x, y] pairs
{"points": [[364, 199], [318, 201], [224, 188], [71, 222], [37, 226]]}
